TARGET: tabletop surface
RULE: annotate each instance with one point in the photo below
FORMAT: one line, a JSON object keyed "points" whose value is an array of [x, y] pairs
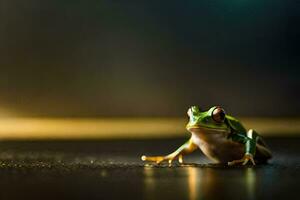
{"points": [[113, 170]]}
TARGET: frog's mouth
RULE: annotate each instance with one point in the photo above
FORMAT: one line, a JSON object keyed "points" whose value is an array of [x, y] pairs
{"points": [[196, 128]]}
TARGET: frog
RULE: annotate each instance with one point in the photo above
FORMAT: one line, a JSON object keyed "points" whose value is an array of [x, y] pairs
{"points": [[222, 138]]}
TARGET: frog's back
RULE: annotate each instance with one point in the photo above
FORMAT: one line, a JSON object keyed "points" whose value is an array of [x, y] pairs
{"points": [[236, 125]]}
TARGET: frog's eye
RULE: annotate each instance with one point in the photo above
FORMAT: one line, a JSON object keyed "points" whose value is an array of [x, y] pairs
{"points": [[218, 114]]}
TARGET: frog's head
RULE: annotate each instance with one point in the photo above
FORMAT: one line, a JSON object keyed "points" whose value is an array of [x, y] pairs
{"points": [[213, 119]]}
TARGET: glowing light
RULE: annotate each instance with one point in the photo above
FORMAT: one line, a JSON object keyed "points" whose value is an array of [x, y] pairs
{"points": [[122, 128]]}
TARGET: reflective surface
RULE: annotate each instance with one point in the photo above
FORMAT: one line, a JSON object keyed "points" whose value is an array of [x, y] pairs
{"points": [[112, 170]]}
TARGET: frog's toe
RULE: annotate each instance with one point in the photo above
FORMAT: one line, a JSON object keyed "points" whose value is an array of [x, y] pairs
{"points": [[243, 161], [235, 162], [143, 157], [180, 159], [247, 160], [171, 158], [157, 159]]}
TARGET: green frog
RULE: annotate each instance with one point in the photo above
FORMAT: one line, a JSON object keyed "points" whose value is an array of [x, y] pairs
{"points": [[221, 137]]}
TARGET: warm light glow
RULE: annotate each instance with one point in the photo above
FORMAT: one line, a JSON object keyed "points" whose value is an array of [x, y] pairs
{"points": [[126, 128], [193, 183], [47, 128], [150, 182], [250, 182]]}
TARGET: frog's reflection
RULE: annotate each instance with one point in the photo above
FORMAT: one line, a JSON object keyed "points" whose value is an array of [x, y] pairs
{"points": [[201, 182], [149, 182], [192, 182], [250, 183]]}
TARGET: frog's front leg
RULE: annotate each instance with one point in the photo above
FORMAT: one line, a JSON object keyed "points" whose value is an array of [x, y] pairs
{"points": [[250, 147], [186, 148]]}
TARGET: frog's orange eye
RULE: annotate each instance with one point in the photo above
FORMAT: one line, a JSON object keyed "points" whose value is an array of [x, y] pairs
{"points": [[218, 114]]}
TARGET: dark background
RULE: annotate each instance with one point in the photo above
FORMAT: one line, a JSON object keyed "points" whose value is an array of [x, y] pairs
{"points": [[148, 58]]}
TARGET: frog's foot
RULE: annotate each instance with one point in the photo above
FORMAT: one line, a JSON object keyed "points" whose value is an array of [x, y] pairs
{"points": [[159, 159], [243, 161]]}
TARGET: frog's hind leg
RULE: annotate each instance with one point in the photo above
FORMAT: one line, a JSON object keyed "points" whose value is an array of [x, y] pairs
{"points": [[261, 141], [250, 141], [186, 148], [262, 153]]}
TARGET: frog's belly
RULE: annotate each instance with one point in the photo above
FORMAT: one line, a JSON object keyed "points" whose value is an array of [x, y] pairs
{"points": [[217, 147]]}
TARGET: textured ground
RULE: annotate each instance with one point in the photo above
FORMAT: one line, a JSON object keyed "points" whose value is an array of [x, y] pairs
{"points": [[113, 170]]}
